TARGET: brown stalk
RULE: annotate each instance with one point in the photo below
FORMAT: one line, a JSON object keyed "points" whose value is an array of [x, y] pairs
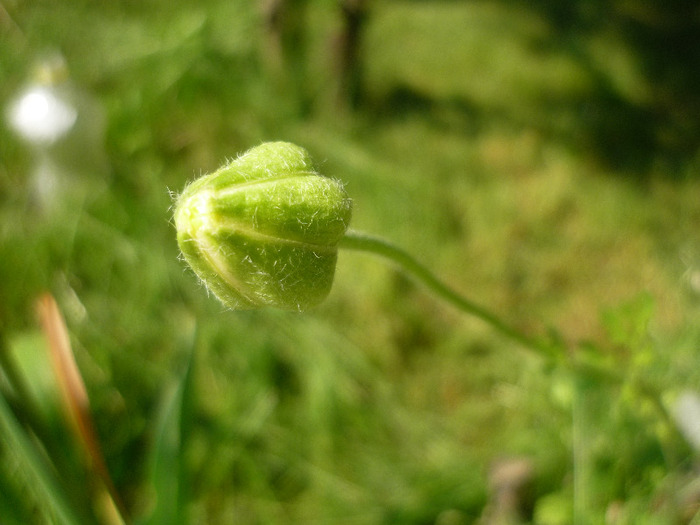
{"points": [[75, 399]]}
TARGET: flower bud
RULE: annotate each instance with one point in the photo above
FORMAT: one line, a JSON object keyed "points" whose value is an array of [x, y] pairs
{"points": [[263, 229]]}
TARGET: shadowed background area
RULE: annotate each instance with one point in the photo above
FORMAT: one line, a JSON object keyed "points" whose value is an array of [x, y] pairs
{"points": [[541, 157]]}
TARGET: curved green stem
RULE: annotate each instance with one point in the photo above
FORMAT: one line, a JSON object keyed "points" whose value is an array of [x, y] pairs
{"points": [[354, 240], [358, 241]]}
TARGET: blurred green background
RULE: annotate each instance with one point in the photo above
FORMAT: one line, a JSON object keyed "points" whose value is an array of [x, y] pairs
{"points": [[542, 157]]}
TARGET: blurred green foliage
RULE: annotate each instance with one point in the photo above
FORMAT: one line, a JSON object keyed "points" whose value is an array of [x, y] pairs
{"points": [[541, 156]]}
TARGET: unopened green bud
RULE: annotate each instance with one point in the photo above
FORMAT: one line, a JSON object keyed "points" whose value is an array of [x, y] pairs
{"points": [[263, 230]]}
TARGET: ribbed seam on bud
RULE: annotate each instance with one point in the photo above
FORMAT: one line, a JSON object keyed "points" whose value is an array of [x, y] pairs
{"points": [[263, 229]]}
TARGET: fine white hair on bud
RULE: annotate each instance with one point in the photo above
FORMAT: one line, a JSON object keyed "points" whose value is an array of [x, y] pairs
{"points": [[263, 229]]}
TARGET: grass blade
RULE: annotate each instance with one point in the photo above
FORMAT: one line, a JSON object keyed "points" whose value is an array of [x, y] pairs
{"points": [[39, 473], [168, 477]]}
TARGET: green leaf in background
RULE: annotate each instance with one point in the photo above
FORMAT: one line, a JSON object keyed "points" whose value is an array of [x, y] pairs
{"points": [[628, 323], [13, 505], [168, 477], [50, 496]]}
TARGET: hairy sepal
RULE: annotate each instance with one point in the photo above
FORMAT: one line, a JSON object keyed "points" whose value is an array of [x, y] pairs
{"points": [[263, 229]]}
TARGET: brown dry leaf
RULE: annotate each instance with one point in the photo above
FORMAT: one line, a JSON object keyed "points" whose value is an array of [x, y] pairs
{"points": [[76, 402]]}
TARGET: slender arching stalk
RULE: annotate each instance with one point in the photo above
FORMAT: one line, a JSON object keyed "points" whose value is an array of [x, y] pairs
{"points": [[354, 240], [358, 241]]}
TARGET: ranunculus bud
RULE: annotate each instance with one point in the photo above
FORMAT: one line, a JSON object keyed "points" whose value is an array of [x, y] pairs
{"points": [[263, 229]]}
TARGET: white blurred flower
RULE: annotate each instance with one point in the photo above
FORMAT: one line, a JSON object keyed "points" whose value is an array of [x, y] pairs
{"points": [[686, 412], [40, 116], [64, 126]]}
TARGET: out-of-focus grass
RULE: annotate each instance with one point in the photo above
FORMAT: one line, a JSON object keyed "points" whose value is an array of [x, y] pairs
{"points": [[473, 150]]}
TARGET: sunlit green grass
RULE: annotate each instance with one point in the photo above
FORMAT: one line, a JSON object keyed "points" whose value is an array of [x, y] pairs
{"points": [[382, 405]]}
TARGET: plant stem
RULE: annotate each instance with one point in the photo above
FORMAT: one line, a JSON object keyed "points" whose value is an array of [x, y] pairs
{"points": [[359, 241], [354, 240]]}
